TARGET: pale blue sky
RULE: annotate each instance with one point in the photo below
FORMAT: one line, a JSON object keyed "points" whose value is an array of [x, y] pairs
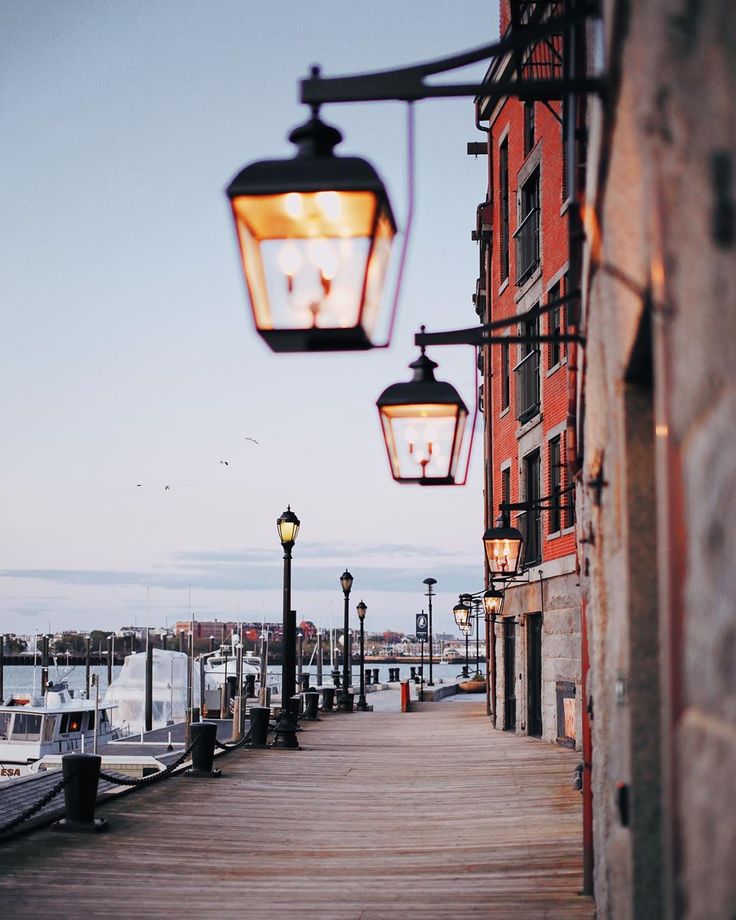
{"points": [[127, 352]]}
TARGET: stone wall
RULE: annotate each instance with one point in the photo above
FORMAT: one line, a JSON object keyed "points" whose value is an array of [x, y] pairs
{"points": [[558, 600]]}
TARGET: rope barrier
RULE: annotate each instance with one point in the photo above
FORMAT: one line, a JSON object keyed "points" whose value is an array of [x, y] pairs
{"points": [[34, 809]]}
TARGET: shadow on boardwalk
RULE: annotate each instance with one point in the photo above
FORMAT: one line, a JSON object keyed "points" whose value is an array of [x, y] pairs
{"points": [[427, 814]]}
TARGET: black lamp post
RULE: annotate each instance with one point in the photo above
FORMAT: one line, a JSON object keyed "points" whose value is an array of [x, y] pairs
{"points": [[362, 705], [429, 582], [288, 528], [345, 701]]}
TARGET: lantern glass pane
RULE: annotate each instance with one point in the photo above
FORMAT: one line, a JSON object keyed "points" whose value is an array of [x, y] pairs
{"points": [[310, 257], [503, 555], [423, 440], [376, 273]]}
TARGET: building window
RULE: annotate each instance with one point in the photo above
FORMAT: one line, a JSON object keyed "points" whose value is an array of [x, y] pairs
{"points": [[533, 514], [503, 178], [556, 325], [569, 499], [526, 372], [529, 127], [527, 233], [555, 485], [506, 495], [505, 376]]}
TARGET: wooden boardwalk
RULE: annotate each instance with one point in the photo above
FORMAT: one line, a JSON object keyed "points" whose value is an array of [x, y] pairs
{"points": [[428, 814]]}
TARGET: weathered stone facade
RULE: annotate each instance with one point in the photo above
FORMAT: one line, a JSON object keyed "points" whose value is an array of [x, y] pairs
{"points": [[557, 600], [658, 489]]}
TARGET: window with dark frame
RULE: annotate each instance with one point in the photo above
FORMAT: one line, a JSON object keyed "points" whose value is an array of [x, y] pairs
{"points": [[503, 179], [506, 494], [555, 485], [527, 232], [505, 372], [533, 515], [569, 499], [529, 128], [554, 327]]}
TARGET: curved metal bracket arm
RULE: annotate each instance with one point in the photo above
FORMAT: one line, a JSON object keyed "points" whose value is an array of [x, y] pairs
{"points": [[483, 335], [406, 84]]}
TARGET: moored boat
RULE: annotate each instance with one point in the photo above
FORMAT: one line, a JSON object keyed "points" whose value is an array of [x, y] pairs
{"points": [[59, 723]]}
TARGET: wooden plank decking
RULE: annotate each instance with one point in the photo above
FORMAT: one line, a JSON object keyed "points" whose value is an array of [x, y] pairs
{"points": [[428, 814]]}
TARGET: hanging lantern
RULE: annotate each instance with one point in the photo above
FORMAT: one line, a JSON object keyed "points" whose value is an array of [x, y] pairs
{"points": [[493, 601], [423, 422], [504, 549], [315, 234], [461, 612]]}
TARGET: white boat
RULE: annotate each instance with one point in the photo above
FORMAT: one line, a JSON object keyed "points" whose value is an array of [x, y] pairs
{"points": [[169, 690], [59, 723]]}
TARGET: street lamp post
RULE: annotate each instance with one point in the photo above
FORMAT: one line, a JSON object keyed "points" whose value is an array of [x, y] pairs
{"points": [[345, 701], [362, 705], [288, 528], [429, 582], [467, 629]]}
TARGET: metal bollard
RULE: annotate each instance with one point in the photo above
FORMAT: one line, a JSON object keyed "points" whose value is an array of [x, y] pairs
{"points": [[250, 684], [82, 775], [413, 672], [259, 717], [375, 676], [304, 682], [311, 706], [336, 678], [367, 677], [328, 699], [295, 708], [204, 735]]}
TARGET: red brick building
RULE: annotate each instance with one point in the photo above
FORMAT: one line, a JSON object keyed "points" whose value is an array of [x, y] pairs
{"points": [[522, 229]]}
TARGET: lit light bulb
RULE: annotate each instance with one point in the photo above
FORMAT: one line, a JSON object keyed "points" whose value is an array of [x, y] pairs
{"points": [[290, 261], [322, 254], [294, 205], [329, 202]]}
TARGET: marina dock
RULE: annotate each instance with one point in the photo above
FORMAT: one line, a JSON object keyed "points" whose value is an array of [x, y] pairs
{"points": [[379, 815]]}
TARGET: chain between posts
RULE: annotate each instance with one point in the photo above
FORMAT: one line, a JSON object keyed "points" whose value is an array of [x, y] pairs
{"points": [[34, 809], [154, 777], [234, 745]]}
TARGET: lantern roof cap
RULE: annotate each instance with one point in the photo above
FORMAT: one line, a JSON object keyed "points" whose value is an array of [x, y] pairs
{"points": [[423, 388], [313, 168]]}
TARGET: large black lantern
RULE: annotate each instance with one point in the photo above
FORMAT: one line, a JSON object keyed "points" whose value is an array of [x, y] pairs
{"points": [[504, 549], [315, 234], [423, 421]]}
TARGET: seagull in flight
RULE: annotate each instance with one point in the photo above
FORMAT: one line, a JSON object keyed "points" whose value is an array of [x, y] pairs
{"points": [[167, 488], [224, 462], [253, 440]]}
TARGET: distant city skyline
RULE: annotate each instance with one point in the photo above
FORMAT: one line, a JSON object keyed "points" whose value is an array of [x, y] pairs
{"points": [[128, 363]]}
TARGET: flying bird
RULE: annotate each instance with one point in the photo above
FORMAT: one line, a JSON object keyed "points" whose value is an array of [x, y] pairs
{"points": [[138, 485], [225, 462], [253, 440], [167, 488]]}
